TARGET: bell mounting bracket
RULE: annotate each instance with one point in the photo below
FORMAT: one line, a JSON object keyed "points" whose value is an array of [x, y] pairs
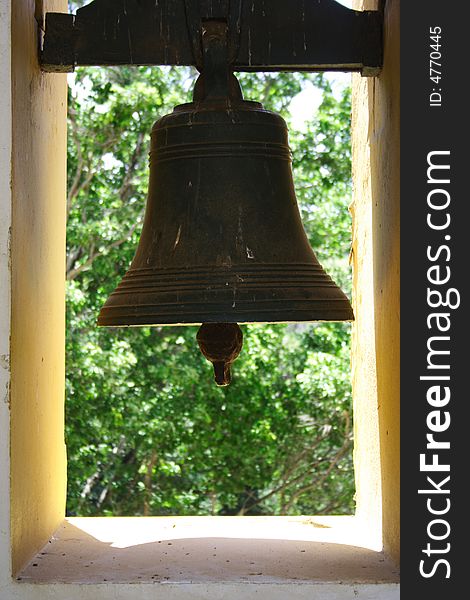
{"points": [[262, 35]]}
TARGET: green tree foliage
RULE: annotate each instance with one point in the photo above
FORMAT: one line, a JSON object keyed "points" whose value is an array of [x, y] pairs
{"points": [[148, 432]]}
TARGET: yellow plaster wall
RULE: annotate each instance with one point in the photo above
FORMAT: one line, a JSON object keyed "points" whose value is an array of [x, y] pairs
{"points": [[376, 262], [38, 461]]}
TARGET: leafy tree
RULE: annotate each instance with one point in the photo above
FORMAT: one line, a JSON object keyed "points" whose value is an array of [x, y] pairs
{"points": [[147, 430]]}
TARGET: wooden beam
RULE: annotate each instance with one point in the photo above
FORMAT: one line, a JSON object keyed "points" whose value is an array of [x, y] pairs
{"points": [[274, 35]]}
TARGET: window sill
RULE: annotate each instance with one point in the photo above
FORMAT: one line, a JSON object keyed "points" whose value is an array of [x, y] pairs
{"points": [[209, 552]]}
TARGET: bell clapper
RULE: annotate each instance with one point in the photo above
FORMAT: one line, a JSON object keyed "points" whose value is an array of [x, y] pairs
{"points": [[220, 343], [222, 373]]}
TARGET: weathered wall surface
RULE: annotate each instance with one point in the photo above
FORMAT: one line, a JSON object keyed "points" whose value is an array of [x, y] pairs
{"points": [[38, 184], [376, 260]]}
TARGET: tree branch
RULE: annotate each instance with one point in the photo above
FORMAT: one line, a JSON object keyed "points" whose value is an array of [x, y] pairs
{"points": [[135, 158], [75, 272], [319, 482], [148, 482]]}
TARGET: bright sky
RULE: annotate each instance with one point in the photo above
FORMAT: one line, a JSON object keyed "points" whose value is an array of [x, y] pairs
{"points": [[304, 106]]}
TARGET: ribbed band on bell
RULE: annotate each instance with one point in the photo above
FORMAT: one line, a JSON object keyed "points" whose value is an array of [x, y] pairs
{"points": [[263, 293]]}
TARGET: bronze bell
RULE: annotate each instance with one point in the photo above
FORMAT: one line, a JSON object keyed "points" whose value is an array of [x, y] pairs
{"points": [[222, 240]]}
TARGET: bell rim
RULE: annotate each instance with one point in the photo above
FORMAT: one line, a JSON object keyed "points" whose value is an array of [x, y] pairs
{"points": [[141, 321], [227, 292]]}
